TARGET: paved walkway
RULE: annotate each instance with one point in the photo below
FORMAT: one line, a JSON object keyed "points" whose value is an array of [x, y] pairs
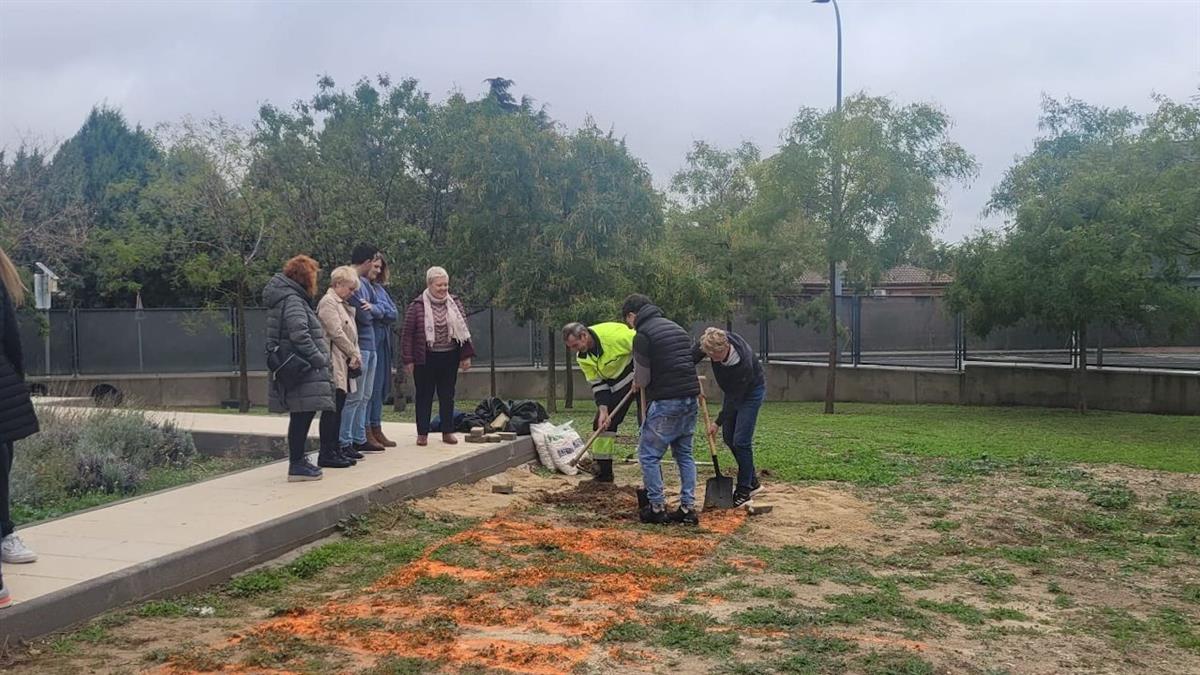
{"points": [[112, 543]]}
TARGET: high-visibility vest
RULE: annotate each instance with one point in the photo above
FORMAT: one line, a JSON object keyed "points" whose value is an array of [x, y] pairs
{"points": [[611, 368]]}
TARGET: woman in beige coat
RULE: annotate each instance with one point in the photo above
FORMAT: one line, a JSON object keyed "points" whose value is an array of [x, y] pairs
{"points": [[337, 318]]}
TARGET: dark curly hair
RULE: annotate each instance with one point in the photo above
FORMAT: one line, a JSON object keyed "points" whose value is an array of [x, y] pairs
{"points": [[303, 270]]}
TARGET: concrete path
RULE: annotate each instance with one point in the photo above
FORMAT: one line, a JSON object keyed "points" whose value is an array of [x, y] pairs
{"points": [[203, 533]]}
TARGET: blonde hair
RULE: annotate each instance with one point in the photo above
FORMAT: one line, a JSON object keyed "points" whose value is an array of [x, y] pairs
{"points": [[435, 273], [11, 280], [344, 275], [714, 341]]}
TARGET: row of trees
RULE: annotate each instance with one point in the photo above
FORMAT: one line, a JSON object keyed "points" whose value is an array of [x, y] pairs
{"points": [[558, 224]]}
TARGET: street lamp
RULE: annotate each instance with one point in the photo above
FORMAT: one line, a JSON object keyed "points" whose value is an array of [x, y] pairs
{"points": [[835, 217], [838, 16]]}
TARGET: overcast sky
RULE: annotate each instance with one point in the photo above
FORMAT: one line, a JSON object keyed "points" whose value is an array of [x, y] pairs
{"points": [[661, 74]]}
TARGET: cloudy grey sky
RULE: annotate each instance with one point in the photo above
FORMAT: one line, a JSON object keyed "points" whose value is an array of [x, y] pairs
{"points": [[660, 73]]}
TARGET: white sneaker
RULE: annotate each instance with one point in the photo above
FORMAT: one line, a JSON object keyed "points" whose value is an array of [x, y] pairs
{"points": [[13, 551]]}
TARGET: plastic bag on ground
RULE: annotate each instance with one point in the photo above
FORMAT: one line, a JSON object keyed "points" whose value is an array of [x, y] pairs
{"points": [[556, 445]]}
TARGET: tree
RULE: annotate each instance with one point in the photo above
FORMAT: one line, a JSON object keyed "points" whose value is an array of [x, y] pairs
{"points": [[223, 223], [870, 178], [1084, 243]]}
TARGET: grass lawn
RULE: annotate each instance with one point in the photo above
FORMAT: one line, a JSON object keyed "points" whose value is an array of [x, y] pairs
{"points": [[873, 444], [952, 539]]}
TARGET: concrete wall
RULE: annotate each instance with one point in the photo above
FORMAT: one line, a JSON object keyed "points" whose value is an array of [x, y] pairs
{"points": [[978, 384]]}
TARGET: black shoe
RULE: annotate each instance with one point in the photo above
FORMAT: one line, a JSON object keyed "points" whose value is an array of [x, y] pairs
{"points": [[604, 473], [341, 455], [329, 459], [653, 516], [684, 516], [741, 498], [350, 453], [303, 471]]}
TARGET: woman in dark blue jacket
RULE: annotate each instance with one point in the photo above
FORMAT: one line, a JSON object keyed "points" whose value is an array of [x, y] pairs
{"points": [[744, 386], [384, 357]]}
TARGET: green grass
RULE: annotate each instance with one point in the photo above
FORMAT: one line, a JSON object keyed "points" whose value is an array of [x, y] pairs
{"points": [[871, 444], [158, 478]]}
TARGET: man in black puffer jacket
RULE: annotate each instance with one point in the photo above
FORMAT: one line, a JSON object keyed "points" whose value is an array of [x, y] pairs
{"points": [[663, 367], [740, 376]]}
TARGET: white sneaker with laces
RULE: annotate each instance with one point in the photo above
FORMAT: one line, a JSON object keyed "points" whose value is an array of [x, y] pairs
{"points": [[13, 551]]}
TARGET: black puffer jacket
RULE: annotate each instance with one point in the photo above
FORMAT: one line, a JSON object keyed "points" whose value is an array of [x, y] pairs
{"points": [[17, 419], [290, 316], [666, 348], [738, 380]]}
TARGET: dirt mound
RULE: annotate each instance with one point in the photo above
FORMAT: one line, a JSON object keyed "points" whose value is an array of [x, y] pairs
{"points": [[600, 500], [814, 517]]}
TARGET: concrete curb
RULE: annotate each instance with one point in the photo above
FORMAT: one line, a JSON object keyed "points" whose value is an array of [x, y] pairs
{"points": [[217, 560]]}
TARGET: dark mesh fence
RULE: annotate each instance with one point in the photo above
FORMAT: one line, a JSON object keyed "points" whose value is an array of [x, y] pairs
{"points": [[34, 329], [893, 331], [907, 331]]}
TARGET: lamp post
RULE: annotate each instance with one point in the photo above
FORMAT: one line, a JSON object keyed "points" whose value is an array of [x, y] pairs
{"points": [[834, 226]]}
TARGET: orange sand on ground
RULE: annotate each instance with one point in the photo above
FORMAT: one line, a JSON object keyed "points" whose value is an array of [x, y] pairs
{"points": [[593, 579]]}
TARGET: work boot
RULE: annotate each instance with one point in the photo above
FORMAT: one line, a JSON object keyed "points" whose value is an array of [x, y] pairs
{"points": [[655, 514], [381, 439], [423, 440], [329, 459], [685, 516], [350, 453], [604, 472], [368, 446]]}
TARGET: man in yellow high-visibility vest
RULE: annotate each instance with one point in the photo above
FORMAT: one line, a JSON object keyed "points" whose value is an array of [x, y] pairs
{"points": [[605, 356]]}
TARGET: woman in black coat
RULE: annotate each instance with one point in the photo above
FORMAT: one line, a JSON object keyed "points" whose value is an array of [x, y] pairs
{"points": [[17, 419], [303, 385]]}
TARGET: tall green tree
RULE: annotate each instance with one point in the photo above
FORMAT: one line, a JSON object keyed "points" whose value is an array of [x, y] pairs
{"points": [[870, 178], [1084, 244], [223, 225]]}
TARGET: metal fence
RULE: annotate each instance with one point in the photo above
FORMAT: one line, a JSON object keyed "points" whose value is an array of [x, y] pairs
{"points": [[892, 331]]}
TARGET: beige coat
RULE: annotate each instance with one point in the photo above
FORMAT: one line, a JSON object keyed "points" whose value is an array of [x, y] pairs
{"points": [[338, 321]]}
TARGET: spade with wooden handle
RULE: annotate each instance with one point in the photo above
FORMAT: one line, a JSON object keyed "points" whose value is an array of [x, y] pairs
{"points": [[599, 430], [718, 490]]}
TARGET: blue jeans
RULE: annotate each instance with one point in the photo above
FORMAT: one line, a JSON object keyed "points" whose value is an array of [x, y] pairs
{"points": [[382, 385], [737, 428], [354, 415], [669, 423]]}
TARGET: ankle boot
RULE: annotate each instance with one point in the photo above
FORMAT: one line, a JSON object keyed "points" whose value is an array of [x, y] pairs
{"points": [[381, 439], [369, 446], [329, 459], [604, 471], [450, 439]]}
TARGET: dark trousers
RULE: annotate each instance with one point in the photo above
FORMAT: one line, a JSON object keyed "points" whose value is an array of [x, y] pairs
{"points": [[737, 430], [298, 427], [331, 423], [6, 462], [437, 377]]}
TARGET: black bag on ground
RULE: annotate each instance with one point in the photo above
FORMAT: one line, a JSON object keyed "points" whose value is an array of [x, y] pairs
{"points": [[521, 414], [491, 408]]}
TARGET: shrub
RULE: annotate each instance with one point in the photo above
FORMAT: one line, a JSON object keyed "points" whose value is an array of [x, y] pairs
{"points": [[81, 451]]}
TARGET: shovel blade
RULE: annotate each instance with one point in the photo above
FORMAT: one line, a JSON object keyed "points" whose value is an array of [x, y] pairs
{"points": [[718, 493]]}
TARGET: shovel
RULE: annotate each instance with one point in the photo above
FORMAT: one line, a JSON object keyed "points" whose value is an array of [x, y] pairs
{"points": [[596, 434], [718, 491]]}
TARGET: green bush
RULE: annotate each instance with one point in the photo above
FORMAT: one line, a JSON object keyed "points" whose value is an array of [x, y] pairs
{"points": [[82, 451]]}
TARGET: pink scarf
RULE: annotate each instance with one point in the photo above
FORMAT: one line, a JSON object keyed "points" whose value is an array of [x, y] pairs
{"points": [[454, 320]]}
